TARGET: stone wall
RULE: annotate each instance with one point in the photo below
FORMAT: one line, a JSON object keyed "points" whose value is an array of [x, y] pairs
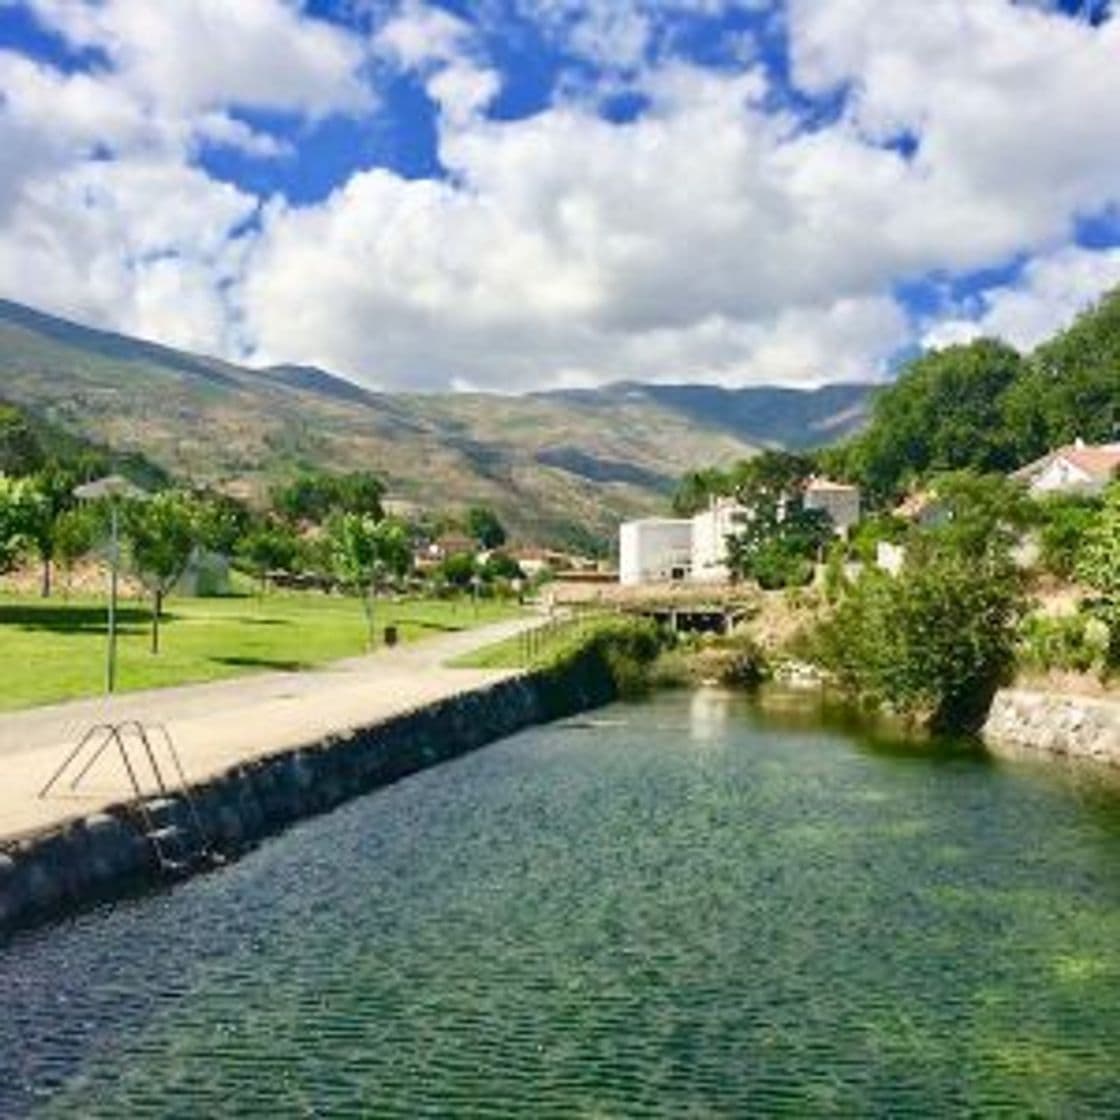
{"points": [[1057, 723], [107, 855]]}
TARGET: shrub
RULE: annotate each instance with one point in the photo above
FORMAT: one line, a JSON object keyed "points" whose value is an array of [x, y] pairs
{"points": [[933, 643], [1075, 643]]}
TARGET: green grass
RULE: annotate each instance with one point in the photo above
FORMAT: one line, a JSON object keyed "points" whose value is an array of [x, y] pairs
{"points": [[55, 650], [534, 649]]}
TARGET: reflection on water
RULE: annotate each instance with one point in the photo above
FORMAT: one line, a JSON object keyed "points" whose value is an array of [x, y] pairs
{"points": [[690, 907]]}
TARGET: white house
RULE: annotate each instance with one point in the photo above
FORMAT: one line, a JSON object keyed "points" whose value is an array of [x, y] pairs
{"points": [[837, 499], [710, 530], [1078, 468], [654, 550]]}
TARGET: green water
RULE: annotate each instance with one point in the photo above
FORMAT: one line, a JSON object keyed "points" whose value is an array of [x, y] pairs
{"points": [[680, 908]]}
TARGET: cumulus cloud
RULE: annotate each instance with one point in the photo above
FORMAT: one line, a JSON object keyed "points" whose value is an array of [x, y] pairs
{"points": [[1051, 291], [204, 54], [718, 236]]}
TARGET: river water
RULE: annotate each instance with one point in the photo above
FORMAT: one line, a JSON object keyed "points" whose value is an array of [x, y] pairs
{"points": [[685, 907]]}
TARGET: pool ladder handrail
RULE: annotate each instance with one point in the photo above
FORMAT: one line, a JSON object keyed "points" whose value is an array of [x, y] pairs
{"points": [[159, 836]]}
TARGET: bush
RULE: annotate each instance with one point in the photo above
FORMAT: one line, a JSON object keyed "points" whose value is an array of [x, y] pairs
{"points": [[1072, 643], [933, 643]]}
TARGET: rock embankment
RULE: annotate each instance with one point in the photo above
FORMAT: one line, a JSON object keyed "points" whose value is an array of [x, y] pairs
{"points": [[1056, 723]]}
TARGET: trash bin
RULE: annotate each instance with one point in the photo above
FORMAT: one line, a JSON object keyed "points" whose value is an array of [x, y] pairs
{"points": [[391, 635]]}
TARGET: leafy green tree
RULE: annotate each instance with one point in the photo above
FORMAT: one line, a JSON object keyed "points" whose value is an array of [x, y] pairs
{"points": [[75, 534], [697, 489], [314, 496], [1071, 387], [1066, 520], [1099, 567], [221, 521], [458, 570], [365, 553], [936, 641], [485, 528], [944, 413], [779, 539], [268, 547], [162, 533], [983, 511], [21, 453], [19, 509]]}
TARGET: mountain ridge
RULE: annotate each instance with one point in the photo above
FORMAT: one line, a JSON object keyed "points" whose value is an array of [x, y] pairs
{"points": [[561, 466]]}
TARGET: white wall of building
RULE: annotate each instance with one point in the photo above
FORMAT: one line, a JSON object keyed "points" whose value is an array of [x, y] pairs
{"points": [[654, 550], [710, 531]]}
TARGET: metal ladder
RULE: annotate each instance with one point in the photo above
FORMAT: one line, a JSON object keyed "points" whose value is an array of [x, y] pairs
{"points": [[178, 840]]}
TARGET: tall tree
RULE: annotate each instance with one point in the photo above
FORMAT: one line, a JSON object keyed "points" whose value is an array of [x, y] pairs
{"points": [[365, 553], [484, 527], [21, 453], [162, 534]]}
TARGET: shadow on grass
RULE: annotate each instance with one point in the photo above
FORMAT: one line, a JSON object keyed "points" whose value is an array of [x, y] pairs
{"points": [[247, 620], [424, 624], [69, 619], [280, 663]]}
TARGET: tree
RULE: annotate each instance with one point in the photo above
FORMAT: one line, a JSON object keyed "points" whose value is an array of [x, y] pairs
{"points": [[75, 533], [19, 508], [268, 547], [1099, 567], [780, 538], [20, 450], [697, 489], [162, 533], [944, 413], [484, 527], [1066, 521], [314, 496], [934, 642], [54, 487], [364, 553]]}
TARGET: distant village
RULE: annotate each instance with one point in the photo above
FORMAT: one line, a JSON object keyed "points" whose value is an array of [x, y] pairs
{"points": [[694, 550]]}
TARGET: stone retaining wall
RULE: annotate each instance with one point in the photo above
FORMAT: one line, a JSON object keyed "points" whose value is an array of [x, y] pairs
{"points": [[107, 855], [1057, 723]]}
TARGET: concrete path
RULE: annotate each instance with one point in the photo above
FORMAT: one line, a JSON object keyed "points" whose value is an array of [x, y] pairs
{"points": [[216, 725]]}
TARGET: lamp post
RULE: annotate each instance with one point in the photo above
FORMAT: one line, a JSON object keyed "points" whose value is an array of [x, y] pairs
{"points": [[113, 491]]}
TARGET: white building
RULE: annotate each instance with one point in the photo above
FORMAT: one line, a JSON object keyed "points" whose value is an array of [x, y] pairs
{"points": [[654, 550], [1080, 468], [710, 531], [837, 499]]}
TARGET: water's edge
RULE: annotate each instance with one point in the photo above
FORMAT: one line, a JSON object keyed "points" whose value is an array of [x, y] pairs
{"points": [[107, 855], [1054, 723]]}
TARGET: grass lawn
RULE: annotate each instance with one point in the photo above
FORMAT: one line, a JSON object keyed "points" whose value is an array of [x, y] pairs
{"points": [[55, 649]]}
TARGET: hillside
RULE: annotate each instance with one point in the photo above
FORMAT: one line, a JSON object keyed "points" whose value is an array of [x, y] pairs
{"points": [[559, 466]]}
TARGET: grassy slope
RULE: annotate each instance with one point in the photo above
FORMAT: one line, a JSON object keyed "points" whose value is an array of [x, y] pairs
{"points": [[52, 651], [548, 462]]}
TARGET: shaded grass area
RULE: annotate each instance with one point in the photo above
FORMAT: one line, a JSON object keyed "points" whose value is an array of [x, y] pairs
{"points": [[55, 650]]}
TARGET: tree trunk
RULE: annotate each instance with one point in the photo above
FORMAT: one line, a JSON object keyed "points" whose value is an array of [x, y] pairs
{"points": [[46, 584], [367, 603], [157, 610]]}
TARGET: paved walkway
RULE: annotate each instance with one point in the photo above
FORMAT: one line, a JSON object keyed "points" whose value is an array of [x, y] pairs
{"points": [[216, 725]]}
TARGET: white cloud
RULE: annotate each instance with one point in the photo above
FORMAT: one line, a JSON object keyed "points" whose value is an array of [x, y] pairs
{"points": [[714, 238], [146, 247], [195, 55], [1052, 290]]}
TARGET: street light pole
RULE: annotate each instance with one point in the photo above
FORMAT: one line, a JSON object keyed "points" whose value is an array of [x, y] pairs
{"points": [[112, 490], [114, 563]]}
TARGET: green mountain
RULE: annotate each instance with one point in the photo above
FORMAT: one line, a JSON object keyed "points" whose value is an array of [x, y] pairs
{"points": [[559, 466]]}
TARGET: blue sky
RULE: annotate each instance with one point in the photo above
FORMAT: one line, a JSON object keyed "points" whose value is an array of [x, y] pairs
{"points": [[517, 194]]}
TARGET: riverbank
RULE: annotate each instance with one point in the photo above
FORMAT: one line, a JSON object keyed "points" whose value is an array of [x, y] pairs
{"points": [[258, 762]]}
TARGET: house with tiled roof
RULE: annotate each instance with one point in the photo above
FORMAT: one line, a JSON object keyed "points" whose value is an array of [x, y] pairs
{"points": [[1078, 468]]}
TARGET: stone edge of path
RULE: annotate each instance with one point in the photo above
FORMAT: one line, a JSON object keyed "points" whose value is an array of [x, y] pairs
{"points": [[106, 855]]}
